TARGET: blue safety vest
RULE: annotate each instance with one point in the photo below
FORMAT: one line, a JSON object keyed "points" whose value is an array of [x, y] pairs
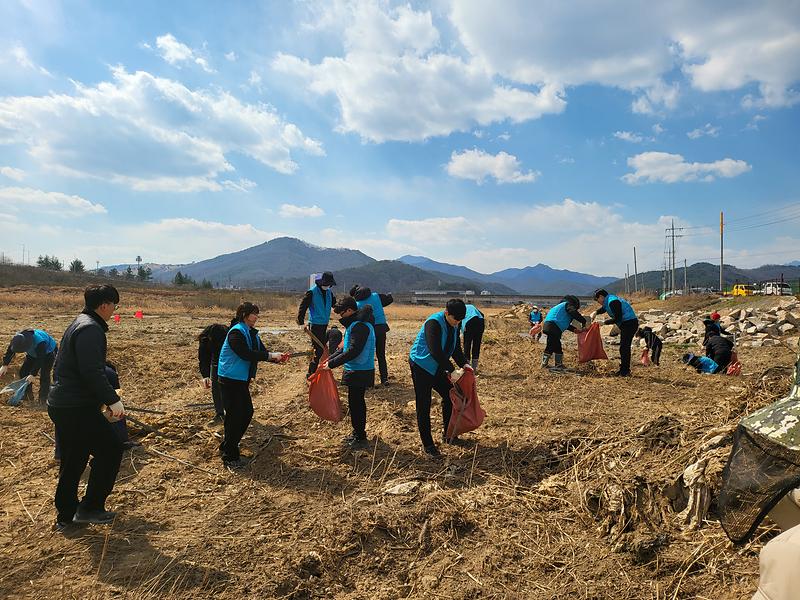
{"points": [[560, 316], [707, 365], [374, 300], [472, 313], [40, 336], [627, 310], [536, 317], [320, 307], [365, 361], [421, 355], [230, 364]]}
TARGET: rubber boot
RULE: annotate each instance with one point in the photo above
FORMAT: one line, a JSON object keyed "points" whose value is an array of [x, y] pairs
{"points": [[559, 366], [474, 364], [545, 360]]}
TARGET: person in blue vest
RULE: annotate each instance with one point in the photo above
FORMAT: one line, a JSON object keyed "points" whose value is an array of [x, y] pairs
{"points": [[241, 352], [621, 314], [358, 358], [473, 327], [702, 364], [534, 318], [318, 302], [40, 354], [558, 320], [364, 296], [437, 342]]}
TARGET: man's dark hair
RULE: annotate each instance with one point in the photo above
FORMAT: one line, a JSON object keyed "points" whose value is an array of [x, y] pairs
{"points": [[456, 308], [96, 295], [345, 303], [599, 292], [244, 309]]}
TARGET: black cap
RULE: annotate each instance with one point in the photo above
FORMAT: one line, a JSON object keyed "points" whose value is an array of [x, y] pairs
{"points": [[326, 279], [344, 303], [599, 292]]}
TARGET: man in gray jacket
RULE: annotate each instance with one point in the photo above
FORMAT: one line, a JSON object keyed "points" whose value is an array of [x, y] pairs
{"points": [[76, 405]]}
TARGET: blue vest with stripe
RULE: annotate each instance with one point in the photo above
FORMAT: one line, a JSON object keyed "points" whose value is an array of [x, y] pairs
{"points": [[535, 317], [320, 307], [420, 354], [707, 365], [472, 313], [627, 310], [40, 336], [230, 364], [374, 300], [559, 315], [366, 360]]}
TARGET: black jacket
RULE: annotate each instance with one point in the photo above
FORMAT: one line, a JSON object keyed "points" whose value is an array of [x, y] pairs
{"points": [[39, 360], [306, 302], [651, 339], [433, 337], [210, 343], [362, 293], [718, 346], [80, 370], [359, 335]]}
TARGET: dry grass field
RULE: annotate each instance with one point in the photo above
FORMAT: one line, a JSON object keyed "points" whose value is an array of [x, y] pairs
{"points": [[519, 512]]}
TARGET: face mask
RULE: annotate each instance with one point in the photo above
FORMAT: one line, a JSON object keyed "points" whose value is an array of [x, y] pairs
{"points": [[324, 287]]}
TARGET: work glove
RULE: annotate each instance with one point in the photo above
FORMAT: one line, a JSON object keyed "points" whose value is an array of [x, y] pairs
{"points": [[608, 322], [29, 378], [301, 324], [207, 382], [467, 366], [114, 412], [324, 365], [593, 315], [3, 370]]}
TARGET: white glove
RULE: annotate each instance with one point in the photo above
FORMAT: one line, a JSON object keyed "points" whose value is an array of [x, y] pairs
{"points": [[3, 370], [467, 366], [593, 315], [30, 378], [206, 382], [117, 410]]}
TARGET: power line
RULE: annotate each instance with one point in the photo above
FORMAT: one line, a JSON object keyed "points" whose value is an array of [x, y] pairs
{"points": [[765, 212]]}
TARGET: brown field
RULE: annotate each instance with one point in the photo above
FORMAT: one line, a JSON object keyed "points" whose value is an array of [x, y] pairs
{"points": [[516, 513]]}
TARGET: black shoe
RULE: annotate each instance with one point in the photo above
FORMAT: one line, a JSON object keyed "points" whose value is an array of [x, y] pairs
{"points": [[453, 441], [358, 444], [219, 418], [96, 517], [432, 451], [239, 463], [385, 383], [62, 526], [622, 374], [128, 444]]}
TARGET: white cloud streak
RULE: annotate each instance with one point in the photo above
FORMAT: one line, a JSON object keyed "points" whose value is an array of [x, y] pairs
{"points": [[651, 167], [294, 211], [477, 165], [177, 53], [54, 203]]}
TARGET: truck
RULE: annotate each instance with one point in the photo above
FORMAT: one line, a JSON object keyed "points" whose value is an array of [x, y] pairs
{"points": [[776, 288], [743, 289]]}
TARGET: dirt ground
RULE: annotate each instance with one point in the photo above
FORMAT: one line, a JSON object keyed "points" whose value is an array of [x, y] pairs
{"points": [[515, 513]]}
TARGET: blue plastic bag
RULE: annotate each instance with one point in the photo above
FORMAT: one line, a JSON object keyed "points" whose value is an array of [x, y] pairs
{"points": [[17, 390]]}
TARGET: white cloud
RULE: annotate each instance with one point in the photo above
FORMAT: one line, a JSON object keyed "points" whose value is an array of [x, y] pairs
{"points": [[176, 53], [566, 160], [392, 83], [505, 136], [656, 98], [652, 167], [658, 129], [753, 124], [477, 165], [149, 133], [20, 55], [707, 129], [54, 203], [433, 231], [294, 211], [242, 185], [12, 173], [628, 136], [231, 56]]}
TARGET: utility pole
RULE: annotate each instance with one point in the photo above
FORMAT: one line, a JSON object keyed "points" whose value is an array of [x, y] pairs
{"points": [[685, 279], [673, 255], [635, 272], [721, 254], [23, 254], [627, 279]]}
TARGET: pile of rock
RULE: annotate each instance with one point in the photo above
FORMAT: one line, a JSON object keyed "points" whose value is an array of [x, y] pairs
{"points": [[756, 327], [518, 311]]}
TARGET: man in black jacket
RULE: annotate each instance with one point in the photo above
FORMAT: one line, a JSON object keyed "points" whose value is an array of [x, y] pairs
{"points": [[78, 396], [363, 296], [210, 343], [358, 358], [621, 314], [318, 302], [720, 350]]}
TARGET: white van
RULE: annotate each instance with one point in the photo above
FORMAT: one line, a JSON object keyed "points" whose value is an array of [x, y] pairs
{"points": [[776, 288]]}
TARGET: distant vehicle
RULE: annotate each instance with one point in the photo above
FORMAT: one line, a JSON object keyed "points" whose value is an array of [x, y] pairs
{"points": [[776, 288], [743, 289], [670, 294], [486, 293], [469, 292]]}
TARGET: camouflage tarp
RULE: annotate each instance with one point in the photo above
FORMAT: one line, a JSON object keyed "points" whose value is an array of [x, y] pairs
{"points": [[763, 466]]}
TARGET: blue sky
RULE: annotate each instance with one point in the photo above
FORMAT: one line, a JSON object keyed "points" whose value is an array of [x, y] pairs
{"points": [[492, 135]]}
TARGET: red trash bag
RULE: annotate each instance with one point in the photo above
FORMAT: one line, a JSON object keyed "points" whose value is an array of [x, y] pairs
{"points": [[467, 414], [646, 357], [323, 395], [590, 344], [734, 367], [535, 330]]}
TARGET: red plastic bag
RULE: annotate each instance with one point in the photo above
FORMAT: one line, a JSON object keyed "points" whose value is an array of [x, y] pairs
{"points": [[535, 330], [734, 367], [646, 357], [590, 344], [467, 414], [323, 395]]}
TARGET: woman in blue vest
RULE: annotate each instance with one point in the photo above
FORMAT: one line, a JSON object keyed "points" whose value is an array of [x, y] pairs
{"points": [[358, 358], [318, 302], [702, 364], [473, 327], [40, 353], [364, 296], [558, 320], [238, 360], [437, 341], [622, 315]]}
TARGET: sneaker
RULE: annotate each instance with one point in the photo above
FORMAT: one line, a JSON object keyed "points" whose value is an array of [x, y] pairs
{"points": [[239, 463], [358, 444], [62, 526], [385, 383], [128, 444], [622, 374], [432, 451], [96, 517], [454, 441], [558, 369]]}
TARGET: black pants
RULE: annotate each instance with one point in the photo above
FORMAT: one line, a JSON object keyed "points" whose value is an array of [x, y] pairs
{"points": [[424, 384], [655, 352], [473, 334], [723, 359], [380, 354], [627, 331], [84, 432], [358, 410], [44, 373], [238, 414], [553, 333], [321, 333], [216, 395]]}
